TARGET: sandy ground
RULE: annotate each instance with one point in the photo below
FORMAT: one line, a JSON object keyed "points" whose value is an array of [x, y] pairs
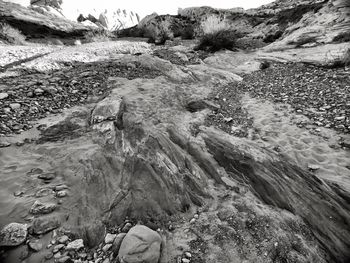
{"points": [[234, 224]]}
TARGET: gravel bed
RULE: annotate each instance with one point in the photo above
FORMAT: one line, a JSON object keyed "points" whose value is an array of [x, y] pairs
{"points": [[32, 96]]}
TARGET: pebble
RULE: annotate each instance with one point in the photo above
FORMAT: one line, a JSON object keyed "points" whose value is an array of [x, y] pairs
{"points": [[57, 248], [127, 227], [49, 255], [15, 106], [38, 91], [63, 239], [35, 245], [3, 95], [75, 245], [64, 259], [110, 238], [313, 167], [106, 247], [188, 255], [185, 260], [47, 176], [61, 194]]}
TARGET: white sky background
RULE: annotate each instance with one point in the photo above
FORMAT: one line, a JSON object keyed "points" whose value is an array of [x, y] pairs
{"points": [[72, 8]]}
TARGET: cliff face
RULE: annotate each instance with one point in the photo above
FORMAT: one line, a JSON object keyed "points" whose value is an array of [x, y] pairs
{"points": [[279, 25], [112, 20], [39, 24]]}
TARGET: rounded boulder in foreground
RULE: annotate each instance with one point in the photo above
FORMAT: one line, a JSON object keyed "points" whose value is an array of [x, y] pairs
{"points": [[13, 234], [140, 245]]}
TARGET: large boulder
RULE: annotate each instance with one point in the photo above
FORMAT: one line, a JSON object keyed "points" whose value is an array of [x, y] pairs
{"points": [[140, 245], [13, 234]]}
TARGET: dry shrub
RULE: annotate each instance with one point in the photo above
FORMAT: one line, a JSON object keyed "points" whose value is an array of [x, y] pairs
{"points": [[214, 24], [160, 34], [98, 36], [11, 35]]}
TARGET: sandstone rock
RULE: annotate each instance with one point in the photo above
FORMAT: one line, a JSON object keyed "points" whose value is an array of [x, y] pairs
{"points": [[110, 238], [43, 225], [106, 247], [63, 239], [42, 208], [35, 245], [140, 245], [117, 243], [13, 234], [57, 248], [65, 259], [15, 106], [3, 95], [75, 245]]}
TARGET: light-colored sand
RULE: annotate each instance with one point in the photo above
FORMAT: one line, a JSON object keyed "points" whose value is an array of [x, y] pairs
{"points": [[276, 128]]}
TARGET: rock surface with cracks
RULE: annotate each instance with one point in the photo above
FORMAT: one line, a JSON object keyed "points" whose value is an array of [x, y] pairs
{"points": [[137, 154]]}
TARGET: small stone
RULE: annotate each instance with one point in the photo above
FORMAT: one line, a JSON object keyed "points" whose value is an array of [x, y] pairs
{"points": [[127, 227], [57, 255], [47, 176], [3, 95], [4, 144], [43, 225], [110, 238], [117, 242], [193, 220], [18, 193], [340, 118], [65, 259], [49, 255], [35, 245], [196, 216], [57, 248], [63, 239], [227, 120], [38, 91], [60, 187], [75, 245], [106, 260], [185, 260], [13, 234], [188, 255], [42, 208], [61, 194], [313, 167], [15, 106], [106, 247]]}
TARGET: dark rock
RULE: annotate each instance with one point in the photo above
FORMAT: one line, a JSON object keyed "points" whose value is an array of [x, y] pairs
{"points": [[43, 225]]}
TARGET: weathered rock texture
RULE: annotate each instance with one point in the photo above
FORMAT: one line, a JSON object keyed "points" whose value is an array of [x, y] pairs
{"points": [[39, 24], [112, 20]]}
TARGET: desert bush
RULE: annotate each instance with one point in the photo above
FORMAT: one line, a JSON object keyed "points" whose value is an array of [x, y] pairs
{"points": [[222, 39], [214, 24], [98, 36], [216, 35], [11, 35], [161, 33]]}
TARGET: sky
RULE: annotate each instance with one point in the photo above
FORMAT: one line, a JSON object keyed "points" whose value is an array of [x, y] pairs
{"points": [[146, 7]]}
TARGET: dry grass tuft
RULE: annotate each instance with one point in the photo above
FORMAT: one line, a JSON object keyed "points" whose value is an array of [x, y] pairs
{"points": [[214, 24], [11, 35]]}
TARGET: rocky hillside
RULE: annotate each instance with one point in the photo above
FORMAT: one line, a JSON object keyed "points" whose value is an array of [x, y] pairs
{"points": [[39, 22], [286, 24], [112, 20]]}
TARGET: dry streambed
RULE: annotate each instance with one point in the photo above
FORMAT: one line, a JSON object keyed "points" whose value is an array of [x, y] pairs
{"points": [[143, 155]]}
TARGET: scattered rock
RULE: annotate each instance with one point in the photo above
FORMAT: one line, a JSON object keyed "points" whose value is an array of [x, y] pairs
{"points": [[106, 247], [63, 239], [57, 248], [43, 225], [127, 227], [117, 242], [3, 95], [313, 167], [61, 194], [75, 245], [13, 234], [110, 238], [42, 208], [47, 176], [65, 259], [140, 245], [15, 106], [35, 245]]}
